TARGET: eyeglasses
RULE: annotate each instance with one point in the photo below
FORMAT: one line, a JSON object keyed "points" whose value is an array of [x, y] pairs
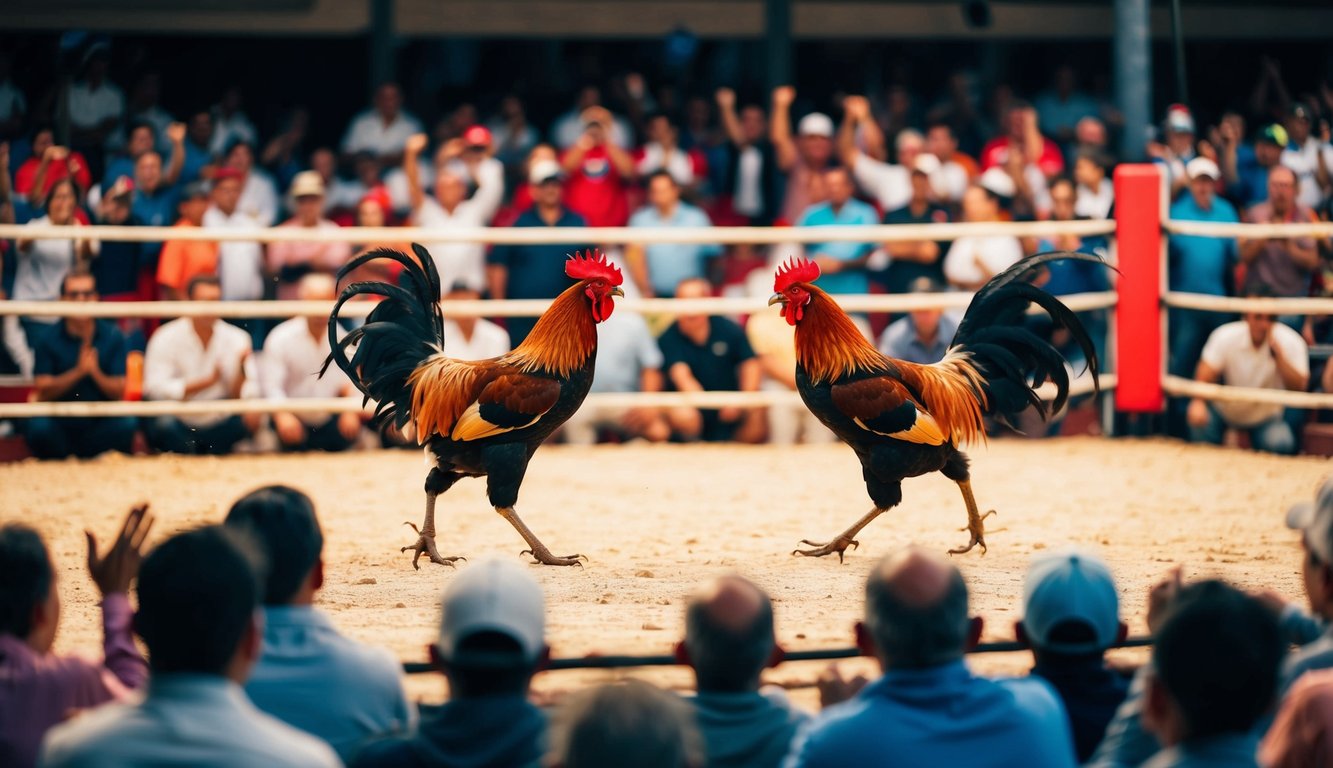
{"points": [[81, 294]]}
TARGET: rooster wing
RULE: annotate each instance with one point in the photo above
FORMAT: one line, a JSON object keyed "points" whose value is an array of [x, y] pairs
{"points": [[468, 401]]}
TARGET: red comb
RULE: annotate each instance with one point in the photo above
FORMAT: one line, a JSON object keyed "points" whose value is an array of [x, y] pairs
{"points": [[592, 264], [795, 271]]}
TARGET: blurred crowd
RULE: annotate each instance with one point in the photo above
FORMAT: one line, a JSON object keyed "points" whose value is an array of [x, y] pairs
{"points": [[638, 154]]}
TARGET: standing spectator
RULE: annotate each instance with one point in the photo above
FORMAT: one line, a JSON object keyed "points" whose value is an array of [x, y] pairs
{"points": [[198, 144], [1284, 264], [533, 271], [13, 104], [472, 337], [922, 335], [119, 265], [240, 262], [749, 186], [889, 185], [1177, 150], [1062, 105], [48, 164], [657, 268], [804, 158], [842, 264], [729, 641], [1309, 155], [183, 260], [628, 360], [662, 152], [308, 675], [198, 615], [95, 104], [631, 720], [1071, 616], [910, 260], [597, 170], [492, 641], [230, 123], [928, 709], [289, 261], [198, 358], [1248, 181], [81, 359], [708, 353], [154, 201], [452, 209], [143, 138], [383, 129], [514, 136], [956, 169], [41, 689], [971, 261], [1020, 130], [1095, 194], [1256, 352], [294, 353], [570, 126], [259, 196], [43, 264]]}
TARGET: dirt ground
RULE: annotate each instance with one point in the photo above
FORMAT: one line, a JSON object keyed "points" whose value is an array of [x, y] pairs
{"points": [[656, 520]]}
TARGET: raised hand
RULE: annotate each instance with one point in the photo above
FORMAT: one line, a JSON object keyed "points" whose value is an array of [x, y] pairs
{"points": [[176, 133], [114, 571], [726, 99], [416, 143], [783, 96]]}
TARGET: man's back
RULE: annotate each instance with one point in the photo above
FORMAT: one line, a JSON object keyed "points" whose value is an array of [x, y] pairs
{"points": [[487, 731], [941, 716], [745, 730]]}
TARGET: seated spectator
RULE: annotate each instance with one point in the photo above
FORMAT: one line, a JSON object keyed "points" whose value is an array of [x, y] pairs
{"points": [[1284, 264], [1300, 735], [451, 208], [43, 263], [1071, 616], [383, 129], [748, 185], [708, 353], [1022, 185], [662, 152], [928, 709], [240, 262], [308, 675], [119, 265], [1095, 192], [199, 134], [1021, 132], [973, 260], [628, 360], [1247, 175], [183, 260], [889, 185], [41, 689], [376, 210], [804, 158], [80, 359], [657, 268], [597, 172], [491, 643], [48, 164], [289, 261], [1178, 149], [729, 641], [842, 265], [1255, 351], [922, 335], [294, 352], [1214, 678], [341, 195], [628, 722], [259, 195], [199, 595], [1067, 277], [1310, 156], [911, 260], [472, 337], [198, 358], [957, 169]]}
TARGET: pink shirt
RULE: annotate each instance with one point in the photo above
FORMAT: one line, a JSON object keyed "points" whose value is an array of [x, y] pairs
{"points": [[290, 260], [38, 691]]}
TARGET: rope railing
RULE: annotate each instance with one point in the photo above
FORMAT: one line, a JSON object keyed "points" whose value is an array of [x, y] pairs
{"points": [[1268, 306], [1248, 231], [1177, 385]]}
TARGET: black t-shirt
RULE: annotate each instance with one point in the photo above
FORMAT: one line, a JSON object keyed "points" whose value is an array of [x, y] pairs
{"points": [[898, 277], [714, 363], [118, 264]]}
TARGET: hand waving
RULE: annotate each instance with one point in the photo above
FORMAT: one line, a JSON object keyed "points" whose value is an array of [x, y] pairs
{"points": [[114, 571]]}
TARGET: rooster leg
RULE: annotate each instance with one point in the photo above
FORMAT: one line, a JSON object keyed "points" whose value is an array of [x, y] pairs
{"points": [[437, 482], [974, 521], [537, 549], [844, 540]]}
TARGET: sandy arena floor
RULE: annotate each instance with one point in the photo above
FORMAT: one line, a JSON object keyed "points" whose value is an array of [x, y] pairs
{"points": [[655, 520]]}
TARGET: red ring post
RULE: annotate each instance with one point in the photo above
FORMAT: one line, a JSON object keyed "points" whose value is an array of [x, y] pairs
{"points": [[1139, 350]]}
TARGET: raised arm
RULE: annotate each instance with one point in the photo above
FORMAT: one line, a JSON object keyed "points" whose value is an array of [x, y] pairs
{"points": [[779, 127], [176, 133], [731, 123], [415, 144]]}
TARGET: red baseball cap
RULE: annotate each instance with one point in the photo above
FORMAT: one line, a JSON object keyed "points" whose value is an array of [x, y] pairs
{"points": [[226, 172], [477, 136]]}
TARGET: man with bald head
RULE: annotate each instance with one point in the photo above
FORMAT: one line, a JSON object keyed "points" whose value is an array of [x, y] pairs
{"points": [[928, 709], [728, 641]]}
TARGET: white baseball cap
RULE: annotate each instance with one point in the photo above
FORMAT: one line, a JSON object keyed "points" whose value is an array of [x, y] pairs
{"points": [[1070, 586], [815, 124], [544, 170], [926, 163], [997, 182], [493, 596], [1202, 166], [1315, 520]]}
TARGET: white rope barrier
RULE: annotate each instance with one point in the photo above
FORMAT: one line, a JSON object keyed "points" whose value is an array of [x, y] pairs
{"points": [[597, 401], [568, 235], [1268, 306], [1248, 231], [1176, 385]]}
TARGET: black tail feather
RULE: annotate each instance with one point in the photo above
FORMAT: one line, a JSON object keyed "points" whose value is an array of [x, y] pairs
{"points": [[1013, 360], [401, 332]]}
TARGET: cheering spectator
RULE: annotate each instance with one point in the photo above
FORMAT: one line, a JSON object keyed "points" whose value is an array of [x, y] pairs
{"points": [[569, 127], [606, 725], [842, 264], [183, 260], [1063, 105], [230, 123], [119, 265], [308, 675], [971, 261], [628, 360], [1071, 616], [657, 268], [534, 271], [922, 335], [199, 595], [910, 260], [382, 130], [43, 263], [956, 169], [42, 689], [472, 337], [291, 260], [750, 173], [143, 138], [890, 185], [154, 201], [81, 359], [1284, 264], [1255, 352], [1095, 192], [95, 104], [491, 643], [928, 708], [1248, 181], [259, 196], [199, 135], [452, 209], [198, 358], [1310, 156], [240, 262], [662, 152], [1020, 126], [47, 165], [708, 353], [804, 158], [597, 170]]}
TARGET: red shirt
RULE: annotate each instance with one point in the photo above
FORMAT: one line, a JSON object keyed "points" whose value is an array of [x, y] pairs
{"points": [[596, 191], [55, 171], [996, 153]]}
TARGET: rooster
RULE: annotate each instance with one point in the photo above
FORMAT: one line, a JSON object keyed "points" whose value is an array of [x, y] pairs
{"points": [[483, 418], [904, 419]]}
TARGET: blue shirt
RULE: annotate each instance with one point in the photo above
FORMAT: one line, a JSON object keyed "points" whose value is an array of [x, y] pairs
{"points": [[1070, 276], [1251, 186], [852, 281], [900, 341], [535, 271], [1200, 264], [314, 679], [193, 165], [56, 352], [669, 263], [941, 716], [155, 210]]}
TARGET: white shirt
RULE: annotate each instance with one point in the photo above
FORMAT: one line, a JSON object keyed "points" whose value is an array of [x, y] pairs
{"points": [[343, 194], [395, 183], [1230, 352], [569, 127], [950, 181], [368, 133], [748, 197], [677, 163], [42, 266], [1305, 162], [890, 185], [463, 262], [175, 356], [996, 253], [1094, 203], [488, 340], [204, 721], [88, 107], [259, 198], [240, 264], [290, 366]]}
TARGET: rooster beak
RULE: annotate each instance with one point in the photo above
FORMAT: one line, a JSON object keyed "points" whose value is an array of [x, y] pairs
{"points": [[776, 298], [617, 292]]}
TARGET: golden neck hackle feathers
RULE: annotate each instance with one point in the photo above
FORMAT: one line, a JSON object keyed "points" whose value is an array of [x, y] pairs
{"points": [[563, 338], [829, 346]]}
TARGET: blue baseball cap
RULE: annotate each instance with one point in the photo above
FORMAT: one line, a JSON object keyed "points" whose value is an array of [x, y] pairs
{"points": [[1070, 586]]}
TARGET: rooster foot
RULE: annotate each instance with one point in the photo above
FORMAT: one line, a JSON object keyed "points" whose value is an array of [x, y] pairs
{"points": [[978, 532], [425, 545], [838, 545], [543, 556]]}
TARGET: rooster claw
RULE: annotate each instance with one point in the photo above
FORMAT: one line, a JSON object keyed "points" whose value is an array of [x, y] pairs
{"points": [[544, 557], [425, 545], [978, 536], [838, 545]]}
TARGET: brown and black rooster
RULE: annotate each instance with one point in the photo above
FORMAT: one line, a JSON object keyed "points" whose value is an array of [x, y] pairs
{"points": [[483, 418], [904, 419]]}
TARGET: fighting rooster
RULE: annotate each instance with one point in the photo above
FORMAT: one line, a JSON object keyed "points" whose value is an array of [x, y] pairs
{"points": [[483, 418], [904, 419]]}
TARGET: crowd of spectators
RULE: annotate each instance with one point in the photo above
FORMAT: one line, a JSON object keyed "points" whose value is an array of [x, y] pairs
{"points": [[641, 156], [242, 668]]}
